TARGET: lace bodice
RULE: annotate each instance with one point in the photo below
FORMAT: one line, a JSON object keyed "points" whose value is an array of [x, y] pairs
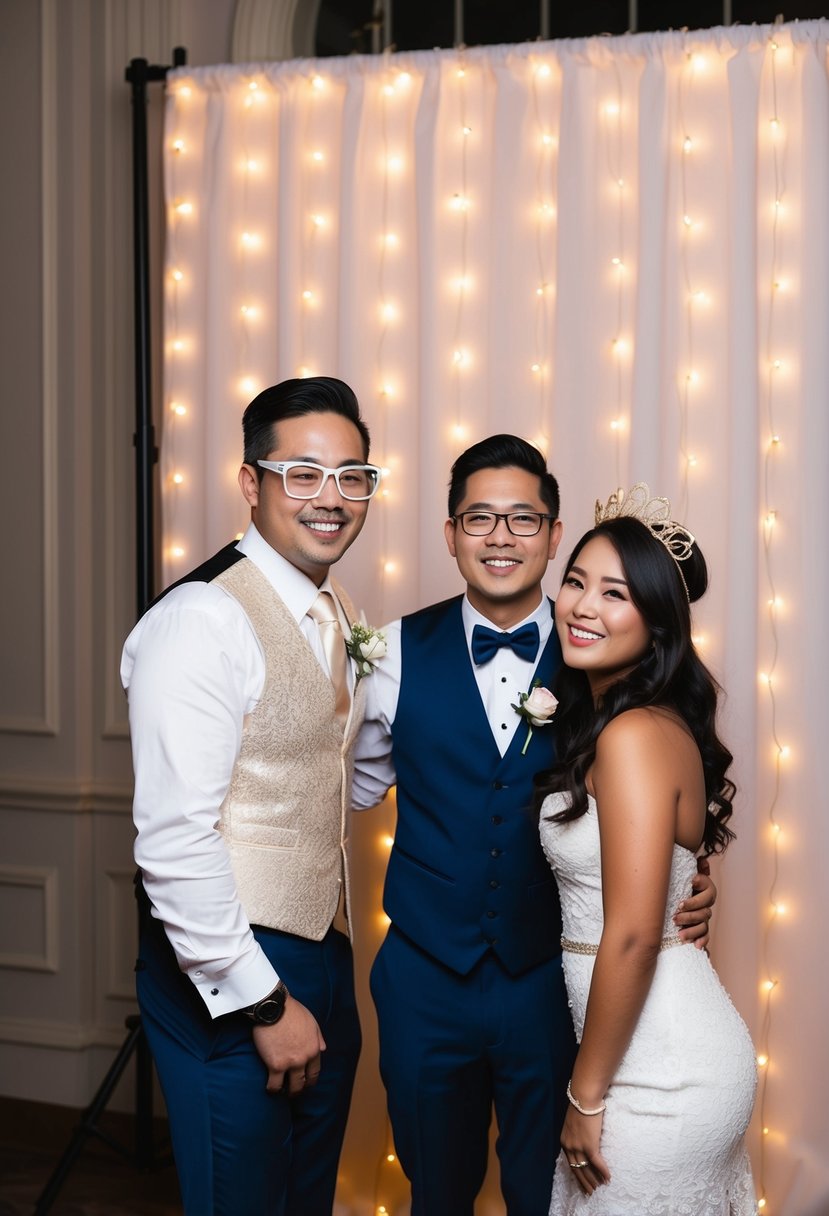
{"points": [[574, 852]]}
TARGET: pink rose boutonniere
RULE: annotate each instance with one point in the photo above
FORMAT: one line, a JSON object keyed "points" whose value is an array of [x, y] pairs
{"points": [[537, 706], [367, 647]]}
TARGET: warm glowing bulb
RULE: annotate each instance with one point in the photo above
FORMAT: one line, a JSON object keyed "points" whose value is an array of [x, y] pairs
{"points": [[318, 221], [765, 678], [178, 145], [404, 78], [388, 841], [775, 439], [178, 276], [687, 144], [547, 210], [619, 345], [389, 312], [761, 1203], [176, 551], [389, 567], [386, 390], [762, 1061], [774, 123], [784, 752], [548, 140], [249, 310], [252, 166], [460, 357], [699, 62], [253, 86], [771, 519], [390, 1157], [535, 367], [394, 163], [616, 261], [307, 295], [388, 90], [318, 156], [765, 1131], [544, 70], [178, 409], [461, 73], [769, 986], [692, 462], [178, 479], [467, 130], [687, 221], [459, 431], [692, 377], [615, 424], [304, 372], [459, 203], [777, 364], [248, 385], [179, 344], [184, 91], [698, 639], [318, 82], [462, 283], [184, 208], [250, 239], [779, 909], [391, 239], [612, 107]]}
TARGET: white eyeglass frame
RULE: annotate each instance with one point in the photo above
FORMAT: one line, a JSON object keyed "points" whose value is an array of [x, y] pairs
{"points": [[283, 466]]}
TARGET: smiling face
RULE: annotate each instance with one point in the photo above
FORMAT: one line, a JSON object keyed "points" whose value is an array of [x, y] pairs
{"points": [[310, 533], [503, 572], [602, 632]]}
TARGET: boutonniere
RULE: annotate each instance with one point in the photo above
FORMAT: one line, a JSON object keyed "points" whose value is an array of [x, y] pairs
{"points": [[367, 647], [537, 706]]}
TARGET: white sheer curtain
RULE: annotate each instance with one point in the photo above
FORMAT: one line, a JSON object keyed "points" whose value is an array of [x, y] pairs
{"points": [[618, 248]]}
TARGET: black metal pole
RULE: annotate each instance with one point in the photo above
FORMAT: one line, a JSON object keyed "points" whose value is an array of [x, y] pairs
{"points": [[139, 74]]}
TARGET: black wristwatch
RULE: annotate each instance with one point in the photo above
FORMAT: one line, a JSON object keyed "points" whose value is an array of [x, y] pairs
{"points": [[270, 1009]]}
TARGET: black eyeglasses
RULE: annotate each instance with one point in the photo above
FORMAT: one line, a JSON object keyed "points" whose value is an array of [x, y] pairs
{"points": [[519, 523]]}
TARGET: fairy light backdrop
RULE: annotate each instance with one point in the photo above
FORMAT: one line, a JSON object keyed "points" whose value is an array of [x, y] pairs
{"points": [[618, 248]]}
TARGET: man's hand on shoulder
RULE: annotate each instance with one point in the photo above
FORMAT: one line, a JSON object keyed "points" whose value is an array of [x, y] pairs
{"points": [[693, 916], [291, 1049]]}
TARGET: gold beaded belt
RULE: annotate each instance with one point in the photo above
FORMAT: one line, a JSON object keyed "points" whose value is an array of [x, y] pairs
{"points": [[589, 948]]}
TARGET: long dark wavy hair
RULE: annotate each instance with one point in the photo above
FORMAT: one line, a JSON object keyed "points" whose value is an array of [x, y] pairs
{"points": [[670, 675]]}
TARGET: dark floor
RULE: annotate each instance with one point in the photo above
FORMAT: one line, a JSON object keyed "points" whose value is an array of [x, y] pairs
{"points": [[100, 1183]]}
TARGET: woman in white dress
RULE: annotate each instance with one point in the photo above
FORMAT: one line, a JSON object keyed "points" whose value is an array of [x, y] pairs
{"points": [[663, 1085]]}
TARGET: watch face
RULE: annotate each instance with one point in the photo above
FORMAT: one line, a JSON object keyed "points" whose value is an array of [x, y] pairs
{"points": [[269, 1011]]}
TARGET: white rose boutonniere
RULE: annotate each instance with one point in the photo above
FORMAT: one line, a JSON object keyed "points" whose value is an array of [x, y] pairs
{"points": [[537, 706], [367, 647]]}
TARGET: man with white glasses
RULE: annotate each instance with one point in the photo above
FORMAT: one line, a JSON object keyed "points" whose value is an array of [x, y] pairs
{"points": [[244, 710]]}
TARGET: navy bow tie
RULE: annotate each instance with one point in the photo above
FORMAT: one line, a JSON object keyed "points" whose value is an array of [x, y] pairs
{"points": [[487, 642]]}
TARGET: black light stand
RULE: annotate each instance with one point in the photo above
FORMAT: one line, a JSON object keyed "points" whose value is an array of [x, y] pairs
{"points": [[143, 1154]]}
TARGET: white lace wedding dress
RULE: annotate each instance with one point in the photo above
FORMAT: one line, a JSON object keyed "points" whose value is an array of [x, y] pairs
{"points": [[680, 1102]]}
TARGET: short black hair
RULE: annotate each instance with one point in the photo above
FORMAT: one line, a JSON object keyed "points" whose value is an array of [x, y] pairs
{"points": [[293, 399], [503, 452]]}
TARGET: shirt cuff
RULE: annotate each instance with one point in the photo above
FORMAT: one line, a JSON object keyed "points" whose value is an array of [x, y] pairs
{"points": [[229, 992]]}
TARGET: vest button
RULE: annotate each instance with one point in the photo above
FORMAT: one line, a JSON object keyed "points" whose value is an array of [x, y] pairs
{"points": [[491, 914], [496, 819], [495, 852], [493, 882], [497, 785]]}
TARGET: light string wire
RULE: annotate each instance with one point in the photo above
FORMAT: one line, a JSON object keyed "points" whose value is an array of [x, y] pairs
{"points": [[545, 213], [771, 456], [460, 202], [614, 158], [247, 385], [385, 389], [179, 211], [685, 81]]}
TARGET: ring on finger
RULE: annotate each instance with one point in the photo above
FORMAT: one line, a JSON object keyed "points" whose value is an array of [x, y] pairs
{"points": [[578, 1165]]}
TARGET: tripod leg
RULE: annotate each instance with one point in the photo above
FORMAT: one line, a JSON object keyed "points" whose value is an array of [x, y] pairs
{"points": [[144, 1145], [89, 1118]]}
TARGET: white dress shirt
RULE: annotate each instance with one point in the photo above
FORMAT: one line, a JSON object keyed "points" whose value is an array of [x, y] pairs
{"points": [[499, 682], [193, 668]]}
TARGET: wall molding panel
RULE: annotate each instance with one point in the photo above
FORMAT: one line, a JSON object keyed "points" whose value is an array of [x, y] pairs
{"points": [[45, 881]]}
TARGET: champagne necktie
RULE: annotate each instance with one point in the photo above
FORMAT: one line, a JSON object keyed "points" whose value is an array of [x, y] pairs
{"points": [[324, 612]]}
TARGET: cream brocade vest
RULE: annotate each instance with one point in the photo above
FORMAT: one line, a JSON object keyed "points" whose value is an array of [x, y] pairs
{"points": [[286, 813]]}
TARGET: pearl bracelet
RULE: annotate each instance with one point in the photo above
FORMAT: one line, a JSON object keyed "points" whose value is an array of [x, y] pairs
{"points": [[583, 1110]]}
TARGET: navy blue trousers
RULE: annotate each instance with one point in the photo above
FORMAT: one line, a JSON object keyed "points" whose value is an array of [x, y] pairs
{"points": [[239, 1150], [452, 1047]]}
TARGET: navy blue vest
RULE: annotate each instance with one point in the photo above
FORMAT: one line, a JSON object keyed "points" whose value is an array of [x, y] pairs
{"points": [[466, 873]]}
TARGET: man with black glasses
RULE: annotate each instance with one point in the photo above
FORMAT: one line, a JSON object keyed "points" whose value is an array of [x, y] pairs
{"points": [[244, 711], [468, 986]]}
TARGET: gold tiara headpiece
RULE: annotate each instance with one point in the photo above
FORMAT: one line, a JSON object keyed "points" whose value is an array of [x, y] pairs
{"points": [[655, 514]]}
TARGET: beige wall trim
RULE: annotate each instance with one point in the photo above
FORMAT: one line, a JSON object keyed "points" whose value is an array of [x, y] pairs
{"points": [[63, 1036], [273, 30], [65, 796]]}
